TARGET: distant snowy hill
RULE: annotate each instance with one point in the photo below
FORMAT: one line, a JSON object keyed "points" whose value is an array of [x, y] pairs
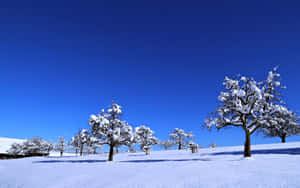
{"points": [[271, 166], [5, 143]]}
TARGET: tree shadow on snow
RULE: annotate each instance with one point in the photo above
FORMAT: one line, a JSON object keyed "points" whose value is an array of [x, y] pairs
{"points": [[59, 157], [70, 161], [288, 151], [164, 160], [137, 155]]}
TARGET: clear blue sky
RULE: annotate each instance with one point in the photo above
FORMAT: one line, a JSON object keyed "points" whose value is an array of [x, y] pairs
{"points": [[163, 61]]}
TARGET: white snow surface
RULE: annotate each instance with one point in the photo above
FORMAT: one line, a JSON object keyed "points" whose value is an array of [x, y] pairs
{"points": [[5, 143], [271, 166]]}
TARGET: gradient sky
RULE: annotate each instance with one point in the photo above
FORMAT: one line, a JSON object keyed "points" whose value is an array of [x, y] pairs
{"points": [[163, 61]]}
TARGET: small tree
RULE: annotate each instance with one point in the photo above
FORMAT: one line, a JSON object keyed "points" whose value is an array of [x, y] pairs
{"points": [[109, 128], [75, 143], [61, 145], [283, 123], [93, 144], [50, 147], [212, 145], [193, 146], [166, 144], [83, 138], [144, 136], [180, 137], [247, 104]]}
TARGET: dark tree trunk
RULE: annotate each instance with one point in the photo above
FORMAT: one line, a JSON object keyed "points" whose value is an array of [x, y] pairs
{"points": [[95, 150], [117, 149], [247, 151], [81, 149], [111, 153], [147, 152], [61, 153], [283, 139]]}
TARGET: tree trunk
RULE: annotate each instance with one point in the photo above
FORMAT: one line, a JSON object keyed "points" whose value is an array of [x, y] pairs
{"points": [[247, 151], [179, 146], [61, 153], [81, 149], [76, 151], [147, 152], [95, 150], [283, 139], [111, 153]]}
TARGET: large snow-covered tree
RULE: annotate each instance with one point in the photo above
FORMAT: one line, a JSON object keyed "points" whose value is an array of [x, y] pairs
{"points": [[284, 123], [144, 136], [110, 129], [180, 137], [247, 104]]}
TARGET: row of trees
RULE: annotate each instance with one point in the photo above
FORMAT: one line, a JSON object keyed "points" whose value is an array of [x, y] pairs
{"points": [[84, 140], [109, 129], [254, 106]]}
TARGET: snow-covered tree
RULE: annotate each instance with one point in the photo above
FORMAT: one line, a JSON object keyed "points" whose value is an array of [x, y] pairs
{"points": [[131, 150], [75, 143], [61, 145], [36, 146], [93, 144], [166, 144], [284, 123], [108, 127], [180, 137], [83, 138], [16, 149], [212, 145], [272, 87], [246, 103], [144, 136], [31, 147], [193, 146]]}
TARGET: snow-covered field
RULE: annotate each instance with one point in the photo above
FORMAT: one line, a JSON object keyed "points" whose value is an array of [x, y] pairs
{"points": [[5, 143], [272, 166]]}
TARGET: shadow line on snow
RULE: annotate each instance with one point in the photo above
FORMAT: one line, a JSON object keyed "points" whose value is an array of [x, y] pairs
{"points": [[129, 161], [288, 151], [70, 161], [59, 157], [164, 160]]}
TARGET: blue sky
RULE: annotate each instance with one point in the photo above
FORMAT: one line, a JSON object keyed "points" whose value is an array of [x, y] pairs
{"points": [[164, 62]]}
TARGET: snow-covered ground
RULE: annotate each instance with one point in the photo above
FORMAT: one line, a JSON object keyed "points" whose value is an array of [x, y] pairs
{"points": [[272, 166], [5, 143]]}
